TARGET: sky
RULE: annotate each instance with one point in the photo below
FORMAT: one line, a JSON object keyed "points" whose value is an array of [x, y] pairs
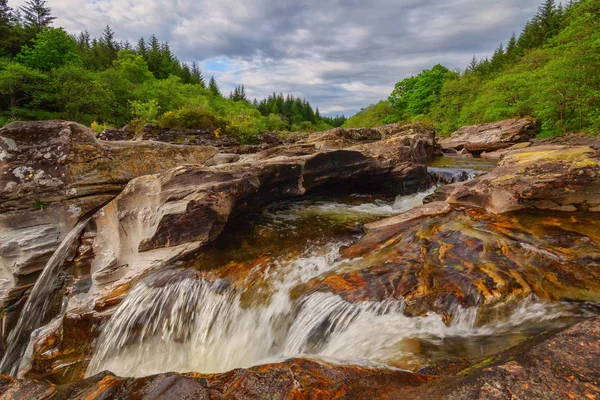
{"points": [[341, 55]]}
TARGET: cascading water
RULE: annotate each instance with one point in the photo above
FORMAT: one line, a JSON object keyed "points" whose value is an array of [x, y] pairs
{"points": [[181, 320], [205, 326], [37, 304]]}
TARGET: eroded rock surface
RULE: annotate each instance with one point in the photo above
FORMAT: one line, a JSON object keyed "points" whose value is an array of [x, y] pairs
{"points": [[491, 137], [436, 258], [53, 173], [556, 178], [296, 378]]}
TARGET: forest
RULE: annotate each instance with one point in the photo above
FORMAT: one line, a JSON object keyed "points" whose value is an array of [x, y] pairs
{"points": [[45, 73], [550, 72]]}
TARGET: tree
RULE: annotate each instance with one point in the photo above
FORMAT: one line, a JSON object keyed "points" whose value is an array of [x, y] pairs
{"points": [[197, 78], [37, 16], [109, 49], [20, 83], [213, 87], [132, 67], [7, 23], [51, 48], [80, 93], [414, 96]]}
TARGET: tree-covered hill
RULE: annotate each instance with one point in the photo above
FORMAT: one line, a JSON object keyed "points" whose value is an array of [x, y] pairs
{"points": [[45, 73], [550, 72]]}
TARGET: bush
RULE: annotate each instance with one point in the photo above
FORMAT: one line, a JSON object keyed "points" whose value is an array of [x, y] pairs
{"points": [[191, 118]]}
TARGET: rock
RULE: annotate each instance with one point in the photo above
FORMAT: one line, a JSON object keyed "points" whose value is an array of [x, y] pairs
{"points": [[556, 178], [222, 158], [52, 161], [295, 378], [52, 174], [160, 218], [144, 223], [491, 137], [499, 154], [436, 258], [113, 135], [560, 365], [339, 138]]}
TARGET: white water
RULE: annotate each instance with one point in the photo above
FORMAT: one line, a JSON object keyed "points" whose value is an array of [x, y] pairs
{"points": [[37, 304], [347, 212], [194, 325]]}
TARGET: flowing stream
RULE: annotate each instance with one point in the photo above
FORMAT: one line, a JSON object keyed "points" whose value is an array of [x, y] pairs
{"points": [[38, 303], [241, 303]]}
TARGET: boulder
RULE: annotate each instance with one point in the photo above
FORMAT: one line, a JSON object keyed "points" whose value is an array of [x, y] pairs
{"points": [[52, 174], [491, 137], [295, 378], [555, 178], [47, 162], [145, 222]]}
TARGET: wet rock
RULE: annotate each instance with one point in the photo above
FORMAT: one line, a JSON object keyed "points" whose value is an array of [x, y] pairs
{"points": [[145, 223], [491, 137], [560, 365], [53, 173], [295, 378], [556, 178], [436, 259]]}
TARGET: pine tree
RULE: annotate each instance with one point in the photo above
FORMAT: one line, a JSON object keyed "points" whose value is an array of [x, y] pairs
{"points": [[473, 65], [7, 21], [37, 16], [213, 87], [142, 48], [109, 48], [197, 77]]}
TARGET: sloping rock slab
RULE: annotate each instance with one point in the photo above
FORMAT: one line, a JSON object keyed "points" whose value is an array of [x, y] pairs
{"points": [[556, 178], [491, 137], [292, 379], [435, 258]]}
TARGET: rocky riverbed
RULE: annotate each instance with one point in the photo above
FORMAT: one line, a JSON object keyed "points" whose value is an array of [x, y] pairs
{"points": [[345, 264]]}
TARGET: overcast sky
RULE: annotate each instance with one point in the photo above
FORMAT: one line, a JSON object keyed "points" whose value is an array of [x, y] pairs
{"points": [[341, 55]]}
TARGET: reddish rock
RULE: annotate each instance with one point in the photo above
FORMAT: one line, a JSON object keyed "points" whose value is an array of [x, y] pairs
{"points": [[292, 379]]}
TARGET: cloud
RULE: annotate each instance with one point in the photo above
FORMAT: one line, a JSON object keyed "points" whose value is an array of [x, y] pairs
{"points": [[340, 54]]}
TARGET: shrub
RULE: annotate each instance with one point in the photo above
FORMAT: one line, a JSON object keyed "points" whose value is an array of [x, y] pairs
{"points": [[190, 118]]}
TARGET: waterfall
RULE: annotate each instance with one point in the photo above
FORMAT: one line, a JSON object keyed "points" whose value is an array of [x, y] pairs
{"points": [[180, 323], [34, 311]]}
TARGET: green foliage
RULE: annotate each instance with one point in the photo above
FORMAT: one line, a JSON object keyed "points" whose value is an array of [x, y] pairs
{"points": [[79, 93], [107, 82], [20, 83], [549, 73], [144, 112], [52, 48], [371, 116], [191, 118], [415, 95]]}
